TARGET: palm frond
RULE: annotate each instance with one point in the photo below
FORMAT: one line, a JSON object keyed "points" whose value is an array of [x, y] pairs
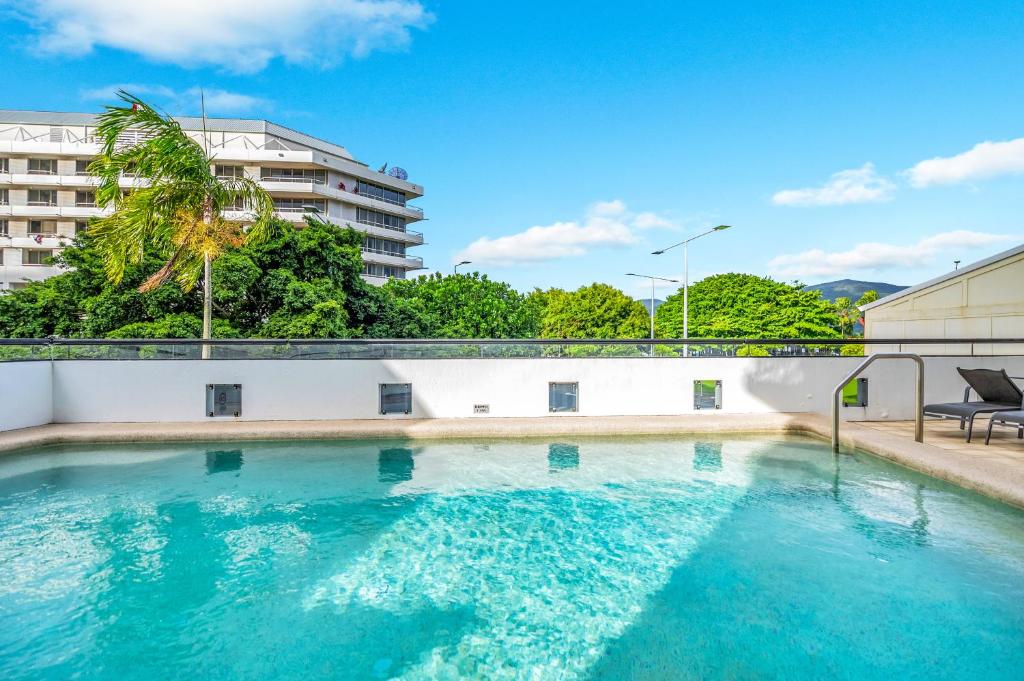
{"points": [[176, 205]]}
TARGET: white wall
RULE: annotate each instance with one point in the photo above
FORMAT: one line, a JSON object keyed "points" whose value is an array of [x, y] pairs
{"points": [[26, 397], [981, 300], [174, 390]]}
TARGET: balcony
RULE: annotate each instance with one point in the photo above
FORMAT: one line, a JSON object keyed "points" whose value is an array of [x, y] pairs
{"points": [[311, 187], [383, 258], [35, 180], [37, 209], [407, 236]]}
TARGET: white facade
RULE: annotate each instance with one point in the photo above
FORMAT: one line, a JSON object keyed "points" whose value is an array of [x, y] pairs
{"points": [[46, 196], [982, 300]]}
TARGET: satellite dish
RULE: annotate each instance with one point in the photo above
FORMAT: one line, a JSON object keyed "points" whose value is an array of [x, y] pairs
{"points": [[382, 168], [398, 173]]}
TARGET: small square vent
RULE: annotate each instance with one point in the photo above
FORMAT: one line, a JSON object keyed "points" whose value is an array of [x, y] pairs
{"points": [[223, 399], [396, 398]]}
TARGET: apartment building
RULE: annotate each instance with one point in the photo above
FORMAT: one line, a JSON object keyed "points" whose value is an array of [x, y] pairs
{"points": [[47, 196]]}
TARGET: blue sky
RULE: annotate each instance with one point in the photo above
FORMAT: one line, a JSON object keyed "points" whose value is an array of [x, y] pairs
{"points": [[560, 143]]}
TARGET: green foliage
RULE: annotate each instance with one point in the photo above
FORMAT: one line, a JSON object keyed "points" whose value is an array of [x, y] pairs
{"points": [[867, 297], [299, 284], [852, 351], [595, 311], [748, 306], [176, 212], [461, 306]]}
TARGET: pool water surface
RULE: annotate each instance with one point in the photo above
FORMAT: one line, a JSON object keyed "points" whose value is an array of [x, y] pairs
{"points": [[627, 558]]}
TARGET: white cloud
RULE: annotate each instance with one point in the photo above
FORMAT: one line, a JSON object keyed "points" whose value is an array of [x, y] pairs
{"points": [[878, 256], [218, 102], [986, 159], [607, 223], [238, 35], [857, 185]]}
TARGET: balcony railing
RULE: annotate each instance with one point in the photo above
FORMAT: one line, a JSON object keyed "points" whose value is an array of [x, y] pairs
{"points": [[400, 230], [661, 348], [41, 203], [302, 180]]}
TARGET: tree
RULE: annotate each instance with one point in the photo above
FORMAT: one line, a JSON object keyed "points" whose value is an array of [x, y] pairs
{"points": [[847, 313], [463, 306], [298, 284], [748, 306], [178, 207], [595, 311]]}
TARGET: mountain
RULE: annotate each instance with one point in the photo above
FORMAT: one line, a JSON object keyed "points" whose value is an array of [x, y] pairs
{"points": [[647, 303], [853, 289]]}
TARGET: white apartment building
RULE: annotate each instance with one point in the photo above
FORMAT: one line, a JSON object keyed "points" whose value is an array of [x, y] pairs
{"points": [[46, 195]]}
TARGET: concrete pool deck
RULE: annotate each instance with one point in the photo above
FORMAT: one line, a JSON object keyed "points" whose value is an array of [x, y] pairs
{"points": [[996, 471]]}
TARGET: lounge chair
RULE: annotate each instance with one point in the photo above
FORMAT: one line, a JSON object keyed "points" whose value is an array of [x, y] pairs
{"points": [[996, 390], [1007, 417]]}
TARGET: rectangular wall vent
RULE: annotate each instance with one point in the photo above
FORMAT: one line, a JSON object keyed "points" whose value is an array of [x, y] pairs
{"points": [[396, 398], [223, 399], [707, 394], [563, 397]]}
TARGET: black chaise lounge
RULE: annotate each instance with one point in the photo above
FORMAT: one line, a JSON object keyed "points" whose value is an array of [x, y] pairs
{"points": [[994, 387], [1015, 417]]}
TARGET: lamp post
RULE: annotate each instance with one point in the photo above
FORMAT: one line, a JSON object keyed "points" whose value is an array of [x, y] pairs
{"points": [[652, 278], [315, 212], [457, 265], [686, 278]]}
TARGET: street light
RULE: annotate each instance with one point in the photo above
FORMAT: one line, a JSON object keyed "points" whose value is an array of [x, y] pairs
{"points": [[686, 278], [652, 278], [464, 262]]}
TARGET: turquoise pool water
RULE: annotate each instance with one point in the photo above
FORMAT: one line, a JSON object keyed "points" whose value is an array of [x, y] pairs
{"points": [[648, 558]]}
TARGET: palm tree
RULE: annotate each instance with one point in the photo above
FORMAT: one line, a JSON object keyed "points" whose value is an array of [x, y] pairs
{"points": [[846, 311], [175, 205]]}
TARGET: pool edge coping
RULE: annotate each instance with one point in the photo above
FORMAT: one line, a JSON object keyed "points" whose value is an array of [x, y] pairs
{"points": [[998, 481]]}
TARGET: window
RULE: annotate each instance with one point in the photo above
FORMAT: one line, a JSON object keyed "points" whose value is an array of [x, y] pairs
{"points": [[35, 256], [5, 228], [5, 165], [42, 166], [81, 226], [372, 269], [5, 197], [378, 219], [42, 197], [373, 244], [294, 175], [396, 398], [707, 394], [563, 397], [229, 172], [82, 166], [42, 227], [375, 191], [299, 205], [85, 199]]}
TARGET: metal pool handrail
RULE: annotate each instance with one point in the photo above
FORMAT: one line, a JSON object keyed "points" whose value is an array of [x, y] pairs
{"points": [[919, 393]]}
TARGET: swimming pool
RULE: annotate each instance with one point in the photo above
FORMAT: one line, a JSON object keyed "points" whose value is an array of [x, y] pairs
{"points": [[645, 558]]}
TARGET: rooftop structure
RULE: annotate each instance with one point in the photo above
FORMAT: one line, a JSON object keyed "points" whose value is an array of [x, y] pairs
{"points": [[47, 196], [984, 299]]}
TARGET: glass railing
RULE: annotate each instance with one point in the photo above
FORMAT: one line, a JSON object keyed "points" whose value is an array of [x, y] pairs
{"points": [[108, 349]]}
